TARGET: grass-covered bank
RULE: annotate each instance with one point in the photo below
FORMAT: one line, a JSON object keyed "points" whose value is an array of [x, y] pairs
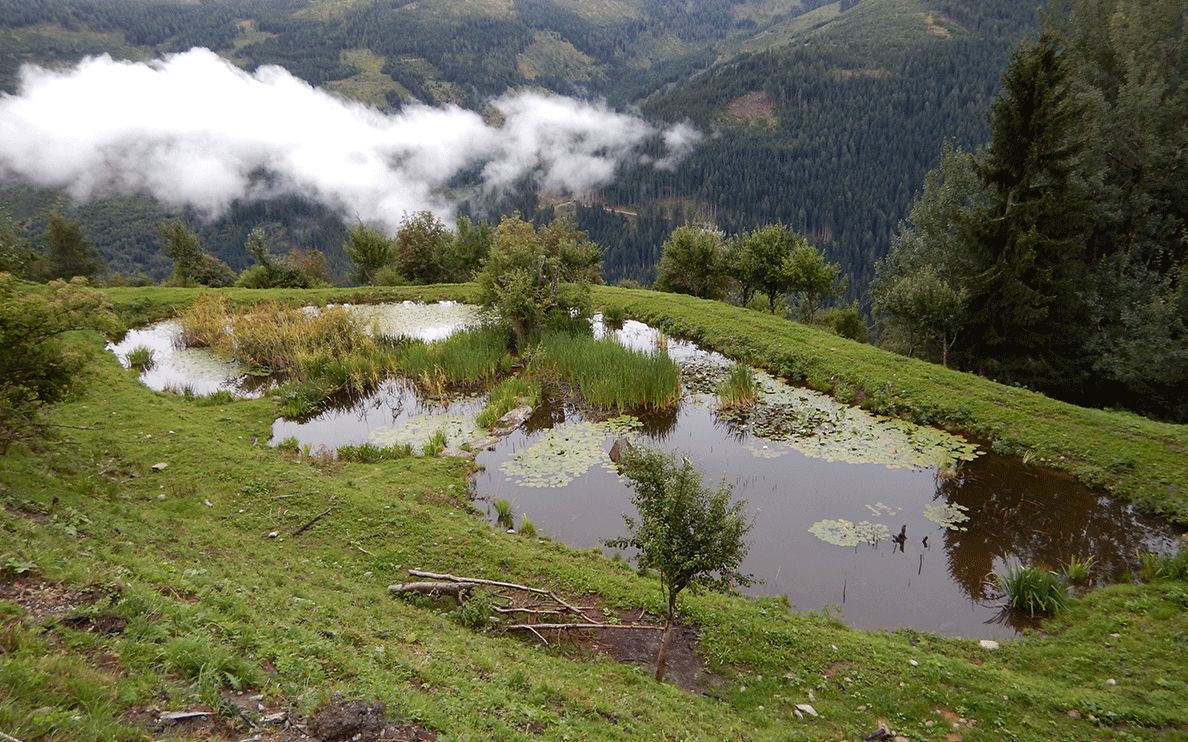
{"points": [[1122, 453], [211, 602]]}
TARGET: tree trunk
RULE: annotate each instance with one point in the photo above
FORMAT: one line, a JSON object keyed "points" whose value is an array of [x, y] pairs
{"points": [[662, 657]]}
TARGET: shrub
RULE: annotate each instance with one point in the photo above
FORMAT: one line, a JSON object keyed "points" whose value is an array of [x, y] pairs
{"points": [[37, 367], [1031, 590]]}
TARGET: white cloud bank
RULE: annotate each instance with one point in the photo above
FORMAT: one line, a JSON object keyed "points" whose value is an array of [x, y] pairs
{"points": [[194, 130]]}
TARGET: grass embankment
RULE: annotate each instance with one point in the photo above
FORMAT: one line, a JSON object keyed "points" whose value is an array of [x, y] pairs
{"points": [[211, 603], [1122, 453]]}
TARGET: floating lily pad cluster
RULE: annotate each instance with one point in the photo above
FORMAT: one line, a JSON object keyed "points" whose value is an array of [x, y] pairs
{"points": [[566, 452], [947, 515], [841, 532], [416, 431]]}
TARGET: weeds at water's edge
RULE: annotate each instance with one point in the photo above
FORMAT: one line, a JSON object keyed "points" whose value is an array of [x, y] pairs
{"points": [[1031, 590], [141, 358], [739, 390]]}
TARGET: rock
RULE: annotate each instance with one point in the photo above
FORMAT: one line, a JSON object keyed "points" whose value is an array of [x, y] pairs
{"points": [[512, 420], [988, 644], [208, 503], [881, 733], [913, 663], [273, 534], [160, 466], [806, 708], [1074, 714], [276, 718], [458, 453], [1111, 681], [621, 448]]}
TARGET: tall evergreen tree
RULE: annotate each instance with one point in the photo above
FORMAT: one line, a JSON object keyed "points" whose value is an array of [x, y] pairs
{"points": [[1025, 310]]}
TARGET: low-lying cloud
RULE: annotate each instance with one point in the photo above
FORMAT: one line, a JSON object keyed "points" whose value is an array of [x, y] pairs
{"points": [[194, 130]]}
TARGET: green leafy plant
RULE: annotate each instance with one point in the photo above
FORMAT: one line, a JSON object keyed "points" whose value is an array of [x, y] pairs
{"points": [[691, 535], [1031, 590], [475, 611], [1077, 570]]}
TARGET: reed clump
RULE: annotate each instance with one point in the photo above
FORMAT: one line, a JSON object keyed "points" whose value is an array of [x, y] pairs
{"points": [[1031, 590], [466, 358], [739, 390], [141, 358], [609, 375]]}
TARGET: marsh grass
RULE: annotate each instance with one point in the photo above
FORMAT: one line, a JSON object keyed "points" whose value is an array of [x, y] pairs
{"points": [[369, 453], [527, 527], [204, 322], [512, 392], [614, 316], [435, 445], [1164, 566], [609, 375], [1031, 590], [503, 513], [466, 358], [739, 390], [141, 358]]}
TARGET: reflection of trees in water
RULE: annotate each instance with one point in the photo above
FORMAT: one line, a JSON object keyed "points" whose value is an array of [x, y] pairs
{"points": [[659, 424], [1038, 518]]}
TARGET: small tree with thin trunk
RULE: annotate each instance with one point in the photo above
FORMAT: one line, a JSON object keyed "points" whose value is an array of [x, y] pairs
{"points": [[692, 535]]}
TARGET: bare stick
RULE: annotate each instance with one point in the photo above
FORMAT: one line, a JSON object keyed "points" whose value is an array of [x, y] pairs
{"points": [[313, 520], [547, 612], [9, 738], [538, 635], [495, 583], [534, 626]]}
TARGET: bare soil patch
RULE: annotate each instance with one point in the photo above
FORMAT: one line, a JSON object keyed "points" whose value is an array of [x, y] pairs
{"points": [[44, 600]]}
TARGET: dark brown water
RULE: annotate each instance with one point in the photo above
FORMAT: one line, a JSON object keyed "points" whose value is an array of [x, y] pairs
{"points": [[1015, 512]]}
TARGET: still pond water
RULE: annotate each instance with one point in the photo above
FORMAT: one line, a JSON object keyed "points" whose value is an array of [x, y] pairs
{"points": [[828, 486]]}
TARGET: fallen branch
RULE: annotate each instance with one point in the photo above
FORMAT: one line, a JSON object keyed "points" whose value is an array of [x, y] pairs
{"points": [[432, 588], [494, 583], [313, 520], [539, 611], [535, 626], [8, 738]]}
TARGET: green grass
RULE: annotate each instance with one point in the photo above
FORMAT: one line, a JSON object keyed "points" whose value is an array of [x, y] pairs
{"points": [[211, 602], [609, 375], [465, 358], [503, 513], [1165, 566], [1121, 453], [369, 453], [1077, 569]]}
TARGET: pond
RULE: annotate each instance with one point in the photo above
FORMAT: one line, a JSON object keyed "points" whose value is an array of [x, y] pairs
{"points": [[830, 488]]}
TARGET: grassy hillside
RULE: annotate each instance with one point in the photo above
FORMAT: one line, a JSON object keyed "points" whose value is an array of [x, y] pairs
{"points": [[128, 591]]}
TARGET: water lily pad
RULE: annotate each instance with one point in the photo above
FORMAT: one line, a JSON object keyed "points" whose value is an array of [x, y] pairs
{"points": [[841, 532], [566, 452], [947, 515], [416, 431]]}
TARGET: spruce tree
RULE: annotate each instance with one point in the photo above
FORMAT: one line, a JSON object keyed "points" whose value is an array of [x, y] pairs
{"points": [[68, 254], [1029, 237]]}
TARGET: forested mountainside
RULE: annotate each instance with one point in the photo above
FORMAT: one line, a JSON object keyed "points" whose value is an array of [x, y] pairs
{"points": [[825, 116]]}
